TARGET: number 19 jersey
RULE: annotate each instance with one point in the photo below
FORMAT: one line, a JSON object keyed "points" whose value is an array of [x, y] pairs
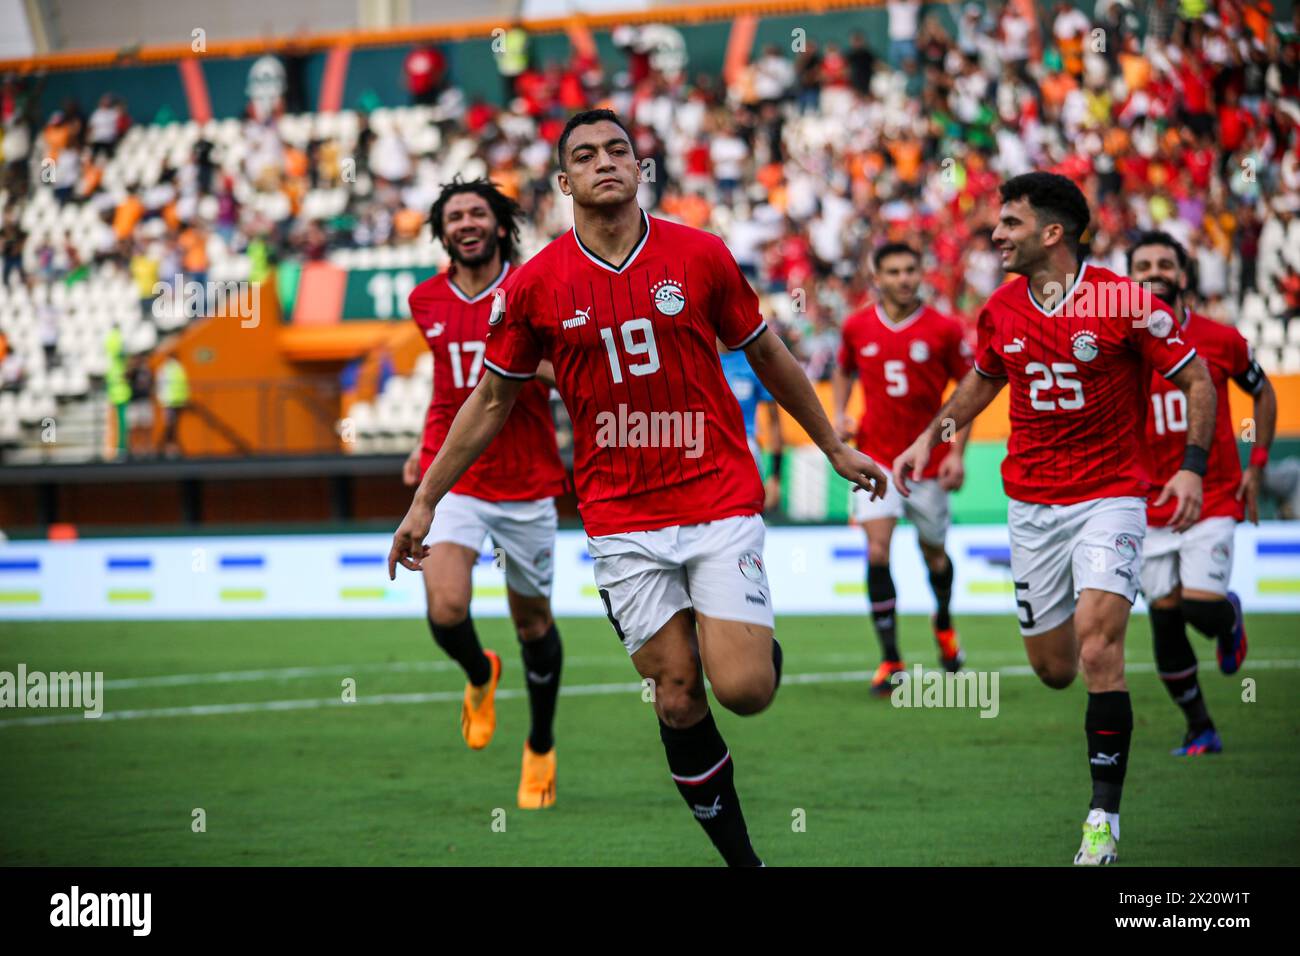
{"points": [[1078, 385], [658, 437], [522, 463]]}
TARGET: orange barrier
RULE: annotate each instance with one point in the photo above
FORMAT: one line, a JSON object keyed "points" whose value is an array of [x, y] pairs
{"points": [[405, 36]]}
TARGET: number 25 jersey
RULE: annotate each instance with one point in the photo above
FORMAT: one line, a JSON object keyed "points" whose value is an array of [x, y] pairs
{"points": [[1077, 383]]}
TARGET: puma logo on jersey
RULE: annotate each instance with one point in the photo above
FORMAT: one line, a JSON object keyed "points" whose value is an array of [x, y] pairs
{"points": [[1176, 339], [580, 317], [869, 350], [1015, 345], [437, 330], [1105, 760]]}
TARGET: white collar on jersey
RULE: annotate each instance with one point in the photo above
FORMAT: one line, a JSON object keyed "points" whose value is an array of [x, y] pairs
{"points": [[1056, 308], [631, 256], [897, 326], [505, 267]]}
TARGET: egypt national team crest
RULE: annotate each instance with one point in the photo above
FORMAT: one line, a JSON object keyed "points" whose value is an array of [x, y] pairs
{"points": [[498, 307], [669, 298], [542, 560], [1220, 553], [919, 351], [1084, 345], [751, 566], [1127, 546], [1160, 324]]}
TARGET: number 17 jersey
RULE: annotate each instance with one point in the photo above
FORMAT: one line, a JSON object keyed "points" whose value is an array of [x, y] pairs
{"points": [[522, 463], [1078, 384]]}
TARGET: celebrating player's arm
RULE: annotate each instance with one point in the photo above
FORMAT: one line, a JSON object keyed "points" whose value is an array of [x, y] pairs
{"points": [[1194, 381], [971, 396], [782, 376], [479, 420], [1253, 381]]}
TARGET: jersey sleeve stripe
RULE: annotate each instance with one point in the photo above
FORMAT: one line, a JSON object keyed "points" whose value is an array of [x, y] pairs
{"points": [[762, 326], [1183, 361], [506, 374], [984, 374]]}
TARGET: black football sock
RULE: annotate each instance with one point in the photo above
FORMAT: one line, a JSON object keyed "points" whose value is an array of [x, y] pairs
{"points": [[881, 596], [1176, 665], [1109, 726], [941, 584], [543, 659], [1212, 618], [462, 646], [778, 658], [701, 767]]}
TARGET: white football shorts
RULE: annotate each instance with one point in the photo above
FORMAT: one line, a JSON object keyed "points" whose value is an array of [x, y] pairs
{"points": [[523, 530]]}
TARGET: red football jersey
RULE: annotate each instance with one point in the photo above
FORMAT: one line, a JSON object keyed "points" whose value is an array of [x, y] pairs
{"points": [[1226, 354], [658, 437], [1078, 383], [522, 463], [904, 370]]}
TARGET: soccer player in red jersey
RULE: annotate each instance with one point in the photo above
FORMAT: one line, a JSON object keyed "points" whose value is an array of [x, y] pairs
{"points": [[1076, 344], [628, 309], [905, 354], [1185, 576], [508, 494]]}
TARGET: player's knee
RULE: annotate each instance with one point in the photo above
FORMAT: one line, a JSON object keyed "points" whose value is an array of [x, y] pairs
{"points": [[746, 695], [679, 701], [446, 611], [1056, 674], [878, 552], [532, 625], [1098, 656]]}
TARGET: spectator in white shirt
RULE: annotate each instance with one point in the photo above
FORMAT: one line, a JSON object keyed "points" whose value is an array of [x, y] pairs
{"points": [[903, 18], [105, 127]]}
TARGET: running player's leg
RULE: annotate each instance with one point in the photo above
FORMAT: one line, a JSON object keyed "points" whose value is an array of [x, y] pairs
{"points": [[1206, 557], [642, 583], [1175, 660], [455, 537], [882, 600], [878, 519], [1040, 568], [698, 758], [1106, 556], [525, 530], [448, 583], [927, 508]]}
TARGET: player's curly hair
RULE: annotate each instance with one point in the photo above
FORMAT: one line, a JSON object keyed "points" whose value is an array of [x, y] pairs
{"points": [[1054, 198], [1158, 237], [505, 209]]}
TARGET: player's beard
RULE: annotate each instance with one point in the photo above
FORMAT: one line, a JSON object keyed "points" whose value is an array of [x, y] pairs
{"points": [[487, 249], [1163, 290]]}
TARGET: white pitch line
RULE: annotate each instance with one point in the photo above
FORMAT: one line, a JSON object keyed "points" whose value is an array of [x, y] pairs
{"points": [[446, 697]]}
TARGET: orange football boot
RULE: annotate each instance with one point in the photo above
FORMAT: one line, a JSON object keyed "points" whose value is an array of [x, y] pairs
{"points": [[537, 780], [478, 713]]}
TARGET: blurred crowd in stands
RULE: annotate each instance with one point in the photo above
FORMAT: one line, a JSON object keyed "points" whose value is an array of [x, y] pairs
{"points": [[1172, 114]]}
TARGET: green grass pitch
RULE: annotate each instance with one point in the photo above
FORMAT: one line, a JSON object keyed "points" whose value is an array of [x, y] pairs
{"points": [[387, 779]]}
